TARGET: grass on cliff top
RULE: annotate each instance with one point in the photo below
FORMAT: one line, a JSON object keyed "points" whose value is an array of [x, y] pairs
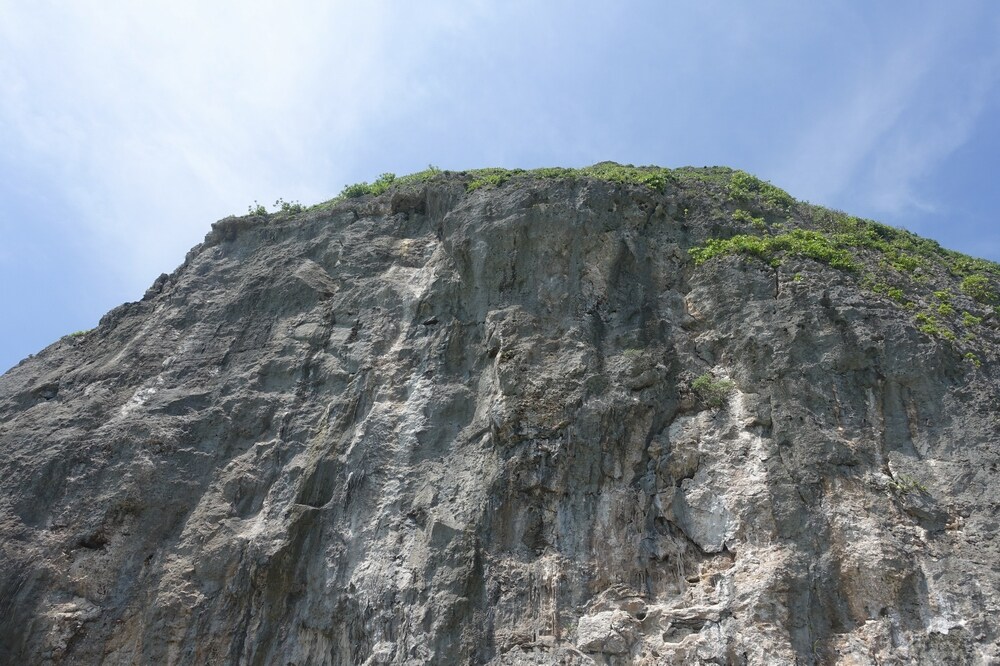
{"points": [[739, 183], [386, 181], [655, 178]]}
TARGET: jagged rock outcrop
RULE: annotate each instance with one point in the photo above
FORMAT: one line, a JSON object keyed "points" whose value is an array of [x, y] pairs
{"points": [[514, 425]]}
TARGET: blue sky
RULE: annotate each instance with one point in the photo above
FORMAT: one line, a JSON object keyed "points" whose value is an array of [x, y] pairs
{"points": [[127, 128]]}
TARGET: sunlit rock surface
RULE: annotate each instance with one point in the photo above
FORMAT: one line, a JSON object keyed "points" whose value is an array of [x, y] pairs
{"points": [[450, 427]]}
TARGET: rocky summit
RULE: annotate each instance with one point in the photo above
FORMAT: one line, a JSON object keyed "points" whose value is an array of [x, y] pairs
{"points": [[614, 415]]}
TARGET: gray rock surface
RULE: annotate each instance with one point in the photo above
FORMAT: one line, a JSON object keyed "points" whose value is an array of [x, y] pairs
{"points": [[450, 427]]}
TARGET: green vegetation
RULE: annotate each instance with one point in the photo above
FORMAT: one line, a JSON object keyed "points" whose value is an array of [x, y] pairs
{"points": [[977, 286], [386, 181], [798, 242], [282, 206], [746, 187], [422, 176], [971, 321], [655, 178], [973, 359], [877, 287], [288, 206], [721, 179], [490, 177], [900, 249], [929, 325], [740, 215], [838, 240], [911, 271], [904, 485], [712, 392], [962, 265], [78, 334], [380, 185], [896, 294]]}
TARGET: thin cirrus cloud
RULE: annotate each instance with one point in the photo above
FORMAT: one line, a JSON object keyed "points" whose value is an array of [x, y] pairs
{"points": [[182, 104], [170, 105], [920, 94], [126, 128], [935, 128]]}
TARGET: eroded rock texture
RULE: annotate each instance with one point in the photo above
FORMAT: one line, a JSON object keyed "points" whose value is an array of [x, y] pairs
{"points": [[440, 427]]}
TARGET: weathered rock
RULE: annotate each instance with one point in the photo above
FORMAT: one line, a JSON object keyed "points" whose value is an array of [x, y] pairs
{"points": [[449, 427], [608, 632]]}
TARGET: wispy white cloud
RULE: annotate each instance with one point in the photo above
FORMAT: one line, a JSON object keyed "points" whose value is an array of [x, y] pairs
{"points": [[834, 146], [928, 134], [154, 118], [914, 106]]}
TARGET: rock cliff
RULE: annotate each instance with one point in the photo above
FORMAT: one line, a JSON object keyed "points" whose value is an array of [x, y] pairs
{"points": [[608, 416]]}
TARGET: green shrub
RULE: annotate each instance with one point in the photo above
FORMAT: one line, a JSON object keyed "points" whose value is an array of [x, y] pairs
{"points": [[963, 265], [554, 172], [798, 242], [878, 287], [904, 485], [970, 320], [491, 177], [978, 287], [712, 392], [929, 325], [746, 187], [655, 178], [257, 209], [381, 184], [904, 263], [288, 206], [355, 190], [973, 359], [740, 215]]}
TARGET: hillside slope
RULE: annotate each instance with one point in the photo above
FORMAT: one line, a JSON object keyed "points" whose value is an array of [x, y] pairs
{"points": [[607, 416]]}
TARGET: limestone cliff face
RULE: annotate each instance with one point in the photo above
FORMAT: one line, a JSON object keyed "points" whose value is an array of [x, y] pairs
{"points": [[451, 427]]}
